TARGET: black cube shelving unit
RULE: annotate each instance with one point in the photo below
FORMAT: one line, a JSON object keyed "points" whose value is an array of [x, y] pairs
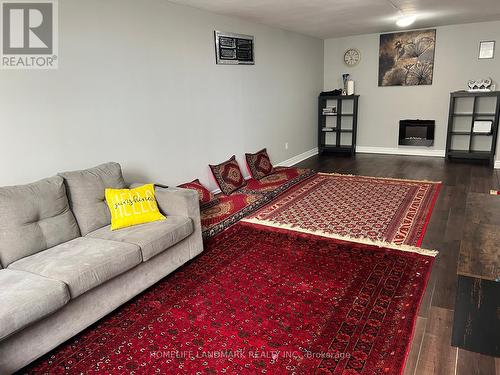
{"points": [[344, 136], [469, 138]]}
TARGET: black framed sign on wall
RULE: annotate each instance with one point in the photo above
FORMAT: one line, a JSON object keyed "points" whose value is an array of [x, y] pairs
{"points": [[234, 49]]}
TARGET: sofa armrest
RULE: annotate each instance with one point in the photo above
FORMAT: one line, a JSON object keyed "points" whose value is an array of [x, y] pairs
{"points": [[175, 201], [183, 202], [178, 202]]}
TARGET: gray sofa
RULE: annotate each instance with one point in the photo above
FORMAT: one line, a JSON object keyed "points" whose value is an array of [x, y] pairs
{"points": [[62, 269]]}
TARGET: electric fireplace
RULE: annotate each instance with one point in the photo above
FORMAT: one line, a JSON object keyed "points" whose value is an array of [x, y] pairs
{"points": [[416, 132]]}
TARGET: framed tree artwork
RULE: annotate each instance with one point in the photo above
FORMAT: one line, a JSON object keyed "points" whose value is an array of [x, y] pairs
{"points": [[407, 58]]}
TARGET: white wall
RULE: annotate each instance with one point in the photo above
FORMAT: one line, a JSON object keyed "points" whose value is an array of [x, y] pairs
{"points": [[137, 83], [381, 108]]}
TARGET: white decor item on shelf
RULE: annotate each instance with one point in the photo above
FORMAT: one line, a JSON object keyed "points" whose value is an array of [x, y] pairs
{"points": [[350, 87], [482, 126], [479, 85]]}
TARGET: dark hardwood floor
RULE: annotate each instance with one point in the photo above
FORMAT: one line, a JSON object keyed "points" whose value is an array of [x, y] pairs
{"points": [[431, 351]]}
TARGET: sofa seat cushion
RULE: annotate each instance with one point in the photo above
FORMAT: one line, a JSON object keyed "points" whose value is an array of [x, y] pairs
{"points": [[83, 263], [26, 298], [152, 238]]}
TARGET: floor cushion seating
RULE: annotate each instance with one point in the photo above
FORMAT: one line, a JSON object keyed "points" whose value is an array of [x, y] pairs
{"points": [[207, 198], [259, 164], [255, 194], [152, 238], [228, 175], [26, 298]]}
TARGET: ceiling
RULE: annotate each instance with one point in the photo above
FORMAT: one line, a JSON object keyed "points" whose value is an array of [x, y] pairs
{"points": [[336, 18]]}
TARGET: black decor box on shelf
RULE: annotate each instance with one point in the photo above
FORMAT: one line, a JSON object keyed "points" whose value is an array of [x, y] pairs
{"points": [[473, 125], [337, 123]]}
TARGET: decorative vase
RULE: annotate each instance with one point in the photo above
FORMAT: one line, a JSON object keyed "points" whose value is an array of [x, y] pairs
{"points": [[345, 78]]}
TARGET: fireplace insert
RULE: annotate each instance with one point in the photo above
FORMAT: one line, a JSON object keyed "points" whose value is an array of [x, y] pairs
{"points": [[416, 132]]}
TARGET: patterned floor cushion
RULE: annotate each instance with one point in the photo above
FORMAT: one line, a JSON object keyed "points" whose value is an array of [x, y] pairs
{"points": [[232, 208]]}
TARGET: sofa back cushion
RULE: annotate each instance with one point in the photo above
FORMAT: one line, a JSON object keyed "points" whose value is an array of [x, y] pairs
{"points": [[33, 218], [86, 194]]}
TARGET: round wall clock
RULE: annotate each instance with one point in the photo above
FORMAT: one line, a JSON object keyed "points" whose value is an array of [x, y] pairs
{"points": [[352, 57]]}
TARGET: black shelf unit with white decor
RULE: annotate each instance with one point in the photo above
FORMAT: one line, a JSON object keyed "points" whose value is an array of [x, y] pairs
{"points": [[473, 125], [337, 129]]}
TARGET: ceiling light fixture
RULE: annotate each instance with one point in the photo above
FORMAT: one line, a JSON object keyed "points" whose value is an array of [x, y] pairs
{"points": [[405, 20]]}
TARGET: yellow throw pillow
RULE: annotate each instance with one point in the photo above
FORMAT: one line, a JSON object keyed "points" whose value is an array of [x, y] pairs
{"points": [[132, 206]]}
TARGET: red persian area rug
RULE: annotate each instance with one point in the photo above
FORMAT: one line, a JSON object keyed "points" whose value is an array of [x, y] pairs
{"points": [[354, 208], [262, 301]]}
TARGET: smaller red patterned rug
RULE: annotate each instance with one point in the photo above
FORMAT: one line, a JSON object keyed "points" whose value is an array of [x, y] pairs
{"points": [[355, 208], [495, 192], [261, 302]]}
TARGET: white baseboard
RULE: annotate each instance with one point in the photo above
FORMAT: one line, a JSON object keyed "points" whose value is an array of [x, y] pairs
{"points": [[400, 151], [298, 158], [497, 164]]}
